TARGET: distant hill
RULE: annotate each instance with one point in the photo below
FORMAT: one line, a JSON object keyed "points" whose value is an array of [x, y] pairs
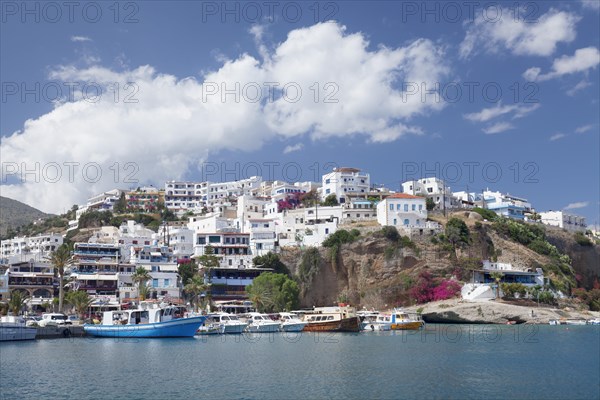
{"points": [[13, 214]]}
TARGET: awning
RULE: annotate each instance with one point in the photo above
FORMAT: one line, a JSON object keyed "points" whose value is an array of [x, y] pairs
{"points": [[155, 254]]}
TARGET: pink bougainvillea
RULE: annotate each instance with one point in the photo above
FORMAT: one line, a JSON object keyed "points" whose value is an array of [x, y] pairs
{"points": [[446, 290]]}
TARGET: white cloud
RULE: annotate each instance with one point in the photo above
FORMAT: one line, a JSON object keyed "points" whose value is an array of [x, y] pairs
{"points": [[518, 33], [557, 136], [80, 39], [498, 128], [591, 4], [175, 123], [486, 114], [579, 204], [578, 87], [584, 128], [292, 148], [582, 60]]}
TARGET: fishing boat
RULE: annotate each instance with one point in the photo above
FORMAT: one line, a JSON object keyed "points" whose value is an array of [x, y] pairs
{"points": [[381, 322], [147, 321], [403, 320], [367, 318], [260, 323], [289, 322], [211, 327], [331, 319], [15, 328], [231, 324]]}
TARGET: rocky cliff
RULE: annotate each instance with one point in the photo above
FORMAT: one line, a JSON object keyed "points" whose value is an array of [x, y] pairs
{"points": [[375, 272]]}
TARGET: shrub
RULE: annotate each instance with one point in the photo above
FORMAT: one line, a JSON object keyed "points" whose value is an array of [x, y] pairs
{"points": [[446, 290], [582, 240], [486, 214]]}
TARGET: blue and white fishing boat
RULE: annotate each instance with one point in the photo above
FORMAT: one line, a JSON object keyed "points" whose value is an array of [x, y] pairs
{"points": [[148, 321]]}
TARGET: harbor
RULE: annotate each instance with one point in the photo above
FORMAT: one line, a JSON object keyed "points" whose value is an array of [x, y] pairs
{"points": [[440, 361]]}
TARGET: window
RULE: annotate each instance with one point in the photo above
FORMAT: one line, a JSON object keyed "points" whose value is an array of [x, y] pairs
{"points": [[201, 240], [327, 181], [406, 207], [406, 222], [167, 282], [414, 207], [420, 207], [326, 231], [214, 239], [395, 221], [328, 191], [398, 207], [154, 283], [391, 207]]}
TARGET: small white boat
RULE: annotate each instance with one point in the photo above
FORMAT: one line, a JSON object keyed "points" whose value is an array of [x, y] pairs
{"points": [[595, 321], [383, 322], [15, 328], [261, 323], [211, 327], [231, 323], [289, 322]]}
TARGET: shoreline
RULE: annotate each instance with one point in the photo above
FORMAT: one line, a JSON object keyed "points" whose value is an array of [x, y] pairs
{"points": [[455, 311]]}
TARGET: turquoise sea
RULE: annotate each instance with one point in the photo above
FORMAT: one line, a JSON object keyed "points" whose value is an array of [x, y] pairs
{"points": [[442, 361]]}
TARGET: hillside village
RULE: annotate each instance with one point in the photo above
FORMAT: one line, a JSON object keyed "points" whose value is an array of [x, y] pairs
{"points": [[229, 232]]}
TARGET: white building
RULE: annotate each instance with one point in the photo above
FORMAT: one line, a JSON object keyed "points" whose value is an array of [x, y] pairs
{"points": [[507, 205], [345, 183], [224, 192], [433, 188], [562, 219], [251, 207], [402, 210], [181, 195], [262, 235], [35, 248]]}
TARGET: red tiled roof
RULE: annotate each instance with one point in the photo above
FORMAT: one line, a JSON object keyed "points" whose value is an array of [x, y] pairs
{"points": [[404, 196]]}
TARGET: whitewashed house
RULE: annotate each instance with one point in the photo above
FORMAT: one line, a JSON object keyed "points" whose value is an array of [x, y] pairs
{"points": [[562, 219], [345, 183], [402, 210]]}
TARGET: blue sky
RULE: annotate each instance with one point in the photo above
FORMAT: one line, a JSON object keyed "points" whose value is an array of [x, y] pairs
{"points": [[373, 60]]}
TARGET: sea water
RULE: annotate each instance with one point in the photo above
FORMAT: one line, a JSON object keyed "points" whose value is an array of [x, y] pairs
{"points": [[442, 361]]}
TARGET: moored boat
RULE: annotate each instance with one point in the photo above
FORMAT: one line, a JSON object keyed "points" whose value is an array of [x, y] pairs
{"points": [[289, 322], [148, 321], [403, 320], [230, 323], [15, 328], [261, 323], [595, 321], [331, 319], [381, 322]]}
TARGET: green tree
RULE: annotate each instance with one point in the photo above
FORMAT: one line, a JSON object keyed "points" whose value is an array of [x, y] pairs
{"points": [[331, 200], [272, 261], [187, 270], [457, 233], [497, 277], [273, 292], [139, 278], [429, 204], [80, 300], [59, 259], [208, 261], [120, 206], [194, 288], [17, 301]]}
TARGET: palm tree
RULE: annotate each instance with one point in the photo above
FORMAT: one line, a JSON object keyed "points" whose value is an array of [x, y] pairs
{"points": [[261, 297], [139, 278], [60, 258], [497, 277], [80, 300], [194, 288], [17, 301]]}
